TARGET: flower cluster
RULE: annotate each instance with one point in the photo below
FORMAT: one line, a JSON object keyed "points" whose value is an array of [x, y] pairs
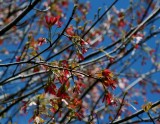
{"points": [[108, 80], [108, 98], [78, 86], [80, 44], [41, 41], [52, 20], [70, 31], [50, 88], [74, 104]]}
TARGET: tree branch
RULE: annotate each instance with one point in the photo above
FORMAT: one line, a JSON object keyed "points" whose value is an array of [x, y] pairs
{"points": [[18, 18], [135, 114]]}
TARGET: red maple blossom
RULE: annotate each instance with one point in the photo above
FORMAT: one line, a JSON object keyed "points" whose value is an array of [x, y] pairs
{"points": [[51, 20]]}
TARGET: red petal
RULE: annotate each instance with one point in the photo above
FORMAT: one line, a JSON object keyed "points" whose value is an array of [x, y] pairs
{"points": [[69, 31], [106, 72], [47, 20], [53, 20], [18, 58]]}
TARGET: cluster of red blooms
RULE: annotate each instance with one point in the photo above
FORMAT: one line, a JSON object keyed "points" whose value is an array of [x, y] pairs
{"points": [[52, 20], [61, 92], [79, 42], [108, 81], [108, 98], [78, 86], [62, 77], [77, 103], [121, 22], [50, 88]]}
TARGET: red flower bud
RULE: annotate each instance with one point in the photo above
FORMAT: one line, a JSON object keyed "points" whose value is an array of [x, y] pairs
{"points": [[80, 56], [18, 58], [41, 41], [106, 72], [51, 20], [70, 31]]}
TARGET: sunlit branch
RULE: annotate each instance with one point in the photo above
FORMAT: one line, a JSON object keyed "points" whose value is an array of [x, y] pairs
{"points": [[143, 120], [20, 76], [135, 114]]}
